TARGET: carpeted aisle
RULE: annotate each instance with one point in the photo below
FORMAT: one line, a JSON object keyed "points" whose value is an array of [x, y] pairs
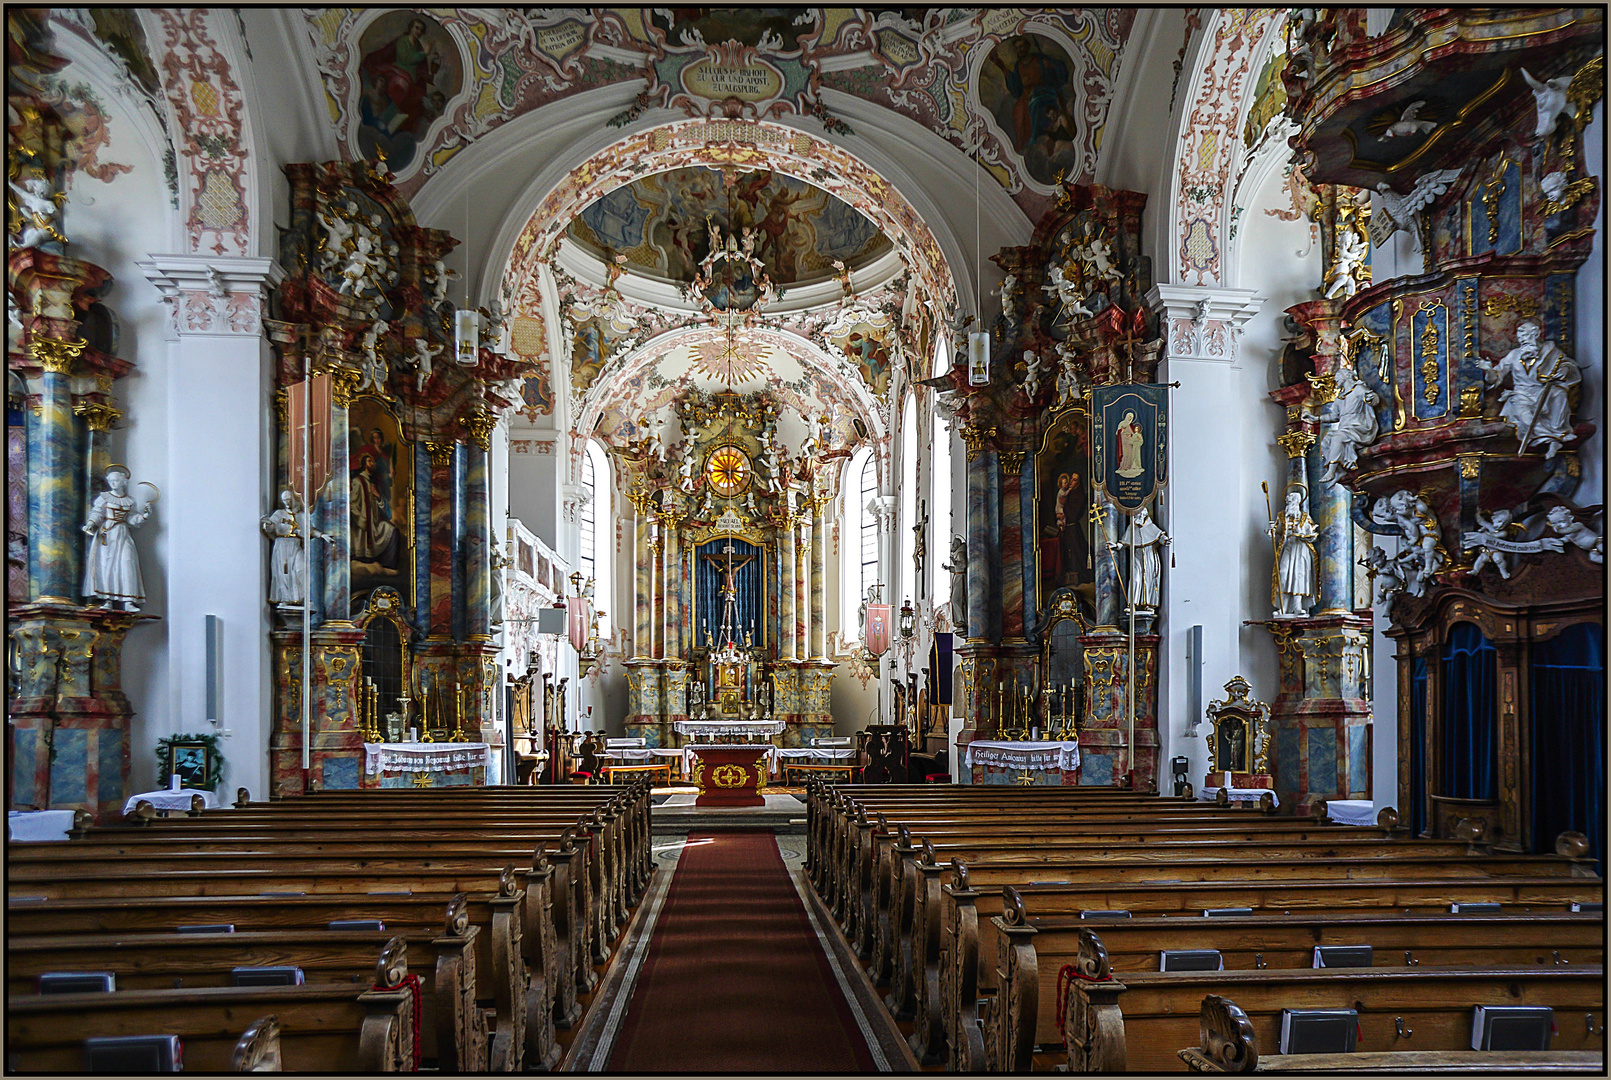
{"points": [[735, 979]]}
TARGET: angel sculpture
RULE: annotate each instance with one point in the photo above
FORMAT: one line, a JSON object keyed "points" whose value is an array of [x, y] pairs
{"points": [[1495, 526], [423, 355], [1032, 376], [1395, 211], [337, 231], [375, 370], [1351, 252], [1068, 376], [37, 220], [1009, 298], [359, 264], [1066, 291], [685, 476], [1408, 124], [1549, 97], [439, 284], [1576, 533], [1383, 568], [1100, 252]]}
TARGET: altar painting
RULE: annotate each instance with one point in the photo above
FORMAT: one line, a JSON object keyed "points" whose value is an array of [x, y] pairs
{"points": [[380, 487], [1063, 507], [1027, 86]]}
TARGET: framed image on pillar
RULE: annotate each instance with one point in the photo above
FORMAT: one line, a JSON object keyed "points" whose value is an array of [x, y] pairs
{"points": [[195, 758], [380, 487]]}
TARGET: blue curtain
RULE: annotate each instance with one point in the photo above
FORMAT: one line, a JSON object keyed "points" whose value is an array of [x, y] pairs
{"points": [[1568, 710], [1417, 807], [710, 560], [1470, 708]]}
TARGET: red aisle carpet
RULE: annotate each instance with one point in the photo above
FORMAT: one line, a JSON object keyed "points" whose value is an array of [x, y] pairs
{"points": [[735, 980]]}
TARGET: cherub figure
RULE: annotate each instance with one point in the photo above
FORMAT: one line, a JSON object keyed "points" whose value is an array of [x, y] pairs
{"points": [[423, 356], [1576, 533], [1384, 572], [359, 264], [375, 369], [38, 217], [439, 283], [337, 231], [1495, 526]]}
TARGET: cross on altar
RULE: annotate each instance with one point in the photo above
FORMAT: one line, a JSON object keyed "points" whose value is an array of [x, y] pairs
{"points": [[728, 569]]}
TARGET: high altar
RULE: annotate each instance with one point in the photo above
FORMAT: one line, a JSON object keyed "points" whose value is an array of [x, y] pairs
{"points": [[729, 613]]}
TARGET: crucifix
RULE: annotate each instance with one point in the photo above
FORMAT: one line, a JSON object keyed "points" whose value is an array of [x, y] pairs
{"points": [[920, 547], [728, 569]]}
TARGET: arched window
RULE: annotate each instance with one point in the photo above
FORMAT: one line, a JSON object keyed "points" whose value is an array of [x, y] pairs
{"points": [[907, 567], [941, 526], [594, 521], [858, 539]]}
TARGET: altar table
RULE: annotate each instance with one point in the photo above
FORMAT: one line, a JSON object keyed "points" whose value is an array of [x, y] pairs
{"points": [[172, 800], [31, 825], [418, 764], [1046, 764], [745, 729], [730, 774], [1351, 811]]}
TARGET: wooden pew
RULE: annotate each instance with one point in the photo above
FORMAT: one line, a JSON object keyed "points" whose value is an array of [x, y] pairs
{"points": [[1231, 1045], [1056, 947], [1139, 1023], [454, 1030], [322, 1027]]}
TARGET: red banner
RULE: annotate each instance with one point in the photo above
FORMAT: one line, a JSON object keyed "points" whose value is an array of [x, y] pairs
{"points": [[576, 608], [309, 433], [876, 632]]}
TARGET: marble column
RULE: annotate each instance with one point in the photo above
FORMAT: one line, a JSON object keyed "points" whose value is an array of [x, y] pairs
{"points": [[1014, 597], [439, 537], [978, 504], [657, 595], [802, 587], [672, 559], [54, 564], [461, 541], [423, 471], [819, 603], [478, 532], [788, 615], [642, 636]]}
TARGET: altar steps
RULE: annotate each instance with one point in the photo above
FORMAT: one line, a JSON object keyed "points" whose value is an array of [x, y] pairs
{"points": [[676, 815]]}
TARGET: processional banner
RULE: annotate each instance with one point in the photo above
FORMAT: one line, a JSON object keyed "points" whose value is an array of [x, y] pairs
{"points": [[876, 632], [1128, 422], [576, 622]]}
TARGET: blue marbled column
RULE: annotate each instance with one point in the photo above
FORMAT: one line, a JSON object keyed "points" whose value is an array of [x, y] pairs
{"points": [[819, 600], [335, 520], [55, 543], [1107, 567], [641, 643], [460, 541], [1329, 506], [673, 590], [978, 508], [478, 533], [1026, 543], [422, 536]]}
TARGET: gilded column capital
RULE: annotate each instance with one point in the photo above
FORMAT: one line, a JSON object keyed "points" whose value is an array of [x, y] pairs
{"points": [[55, 355], [98, 416], [1323, 388], [441, 452], [1012, 462], [974, 436], [343, 385], [1296, 443], [479, 425], [641, 498]]}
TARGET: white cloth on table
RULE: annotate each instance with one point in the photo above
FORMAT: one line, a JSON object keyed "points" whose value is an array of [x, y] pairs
{"points": [[173, 800], [425, 757], [783, 755], [629, 753], [1064, 755], [1237, 794], [1351, 811], [38, 824]]}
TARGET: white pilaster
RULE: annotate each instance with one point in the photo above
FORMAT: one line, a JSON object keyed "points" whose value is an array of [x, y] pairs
{"points": [[1202, 500], [220, 476]]}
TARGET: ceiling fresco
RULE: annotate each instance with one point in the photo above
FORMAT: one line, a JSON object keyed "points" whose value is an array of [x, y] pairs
{"points": [[1038, 81], [661, 224]]}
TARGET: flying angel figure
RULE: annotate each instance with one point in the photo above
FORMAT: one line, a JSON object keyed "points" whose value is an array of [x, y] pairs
{"points": [[1395, 211], [1407, 124]]}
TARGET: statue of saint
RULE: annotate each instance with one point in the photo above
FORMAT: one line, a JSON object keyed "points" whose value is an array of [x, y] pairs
{"points": [[1146, 561], [288, 557], [112, 566], [1543, 383], [958, 566], [1355, 428], [1294, 534]]}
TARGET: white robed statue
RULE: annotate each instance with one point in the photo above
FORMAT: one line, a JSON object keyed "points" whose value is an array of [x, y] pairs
{"points": [[112, 566], [1294, 534], [288, 558], [1146, 560], [1543, 381]]}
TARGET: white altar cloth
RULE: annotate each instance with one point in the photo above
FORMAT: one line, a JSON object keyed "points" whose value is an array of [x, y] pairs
{"points": [[425, 757], [1064, 756], [173, 800], [1351, 811], [628, 753], [1237, 794], [718, 728], [38, 824]]}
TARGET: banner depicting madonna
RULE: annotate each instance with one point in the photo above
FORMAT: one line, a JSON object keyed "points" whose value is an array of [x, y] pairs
{"points": [[1128, 422]]}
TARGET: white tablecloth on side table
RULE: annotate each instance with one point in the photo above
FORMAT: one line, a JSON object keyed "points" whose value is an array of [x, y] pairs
{"points": [[173, 800], [1237, 794], [631, 753], [1351, 811], [30, 825], [1064, 756], [425, 757]]}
